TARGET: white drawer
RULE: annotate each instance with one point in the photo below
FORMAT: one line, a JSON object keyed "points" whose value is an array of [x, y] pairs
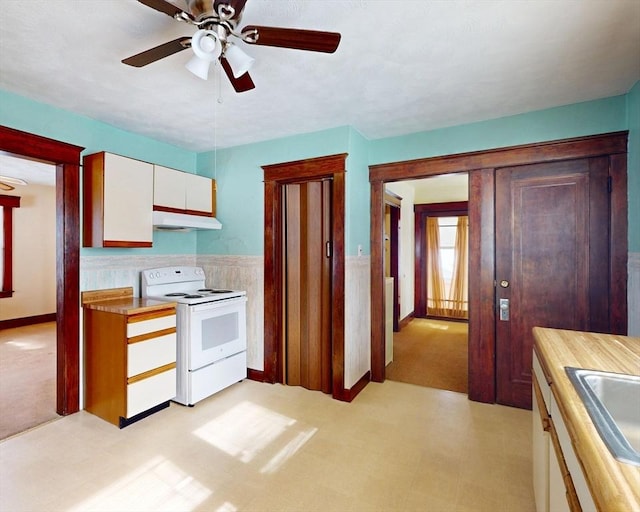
{"points": [[152, 325], [147, 393], [153, 353]]}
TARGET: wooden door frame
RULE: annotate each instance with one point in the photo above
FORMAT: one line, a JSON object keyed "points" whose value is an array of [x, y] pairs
{"points": [[66, 158], [421, 213], [481, 166], [275, 177]]}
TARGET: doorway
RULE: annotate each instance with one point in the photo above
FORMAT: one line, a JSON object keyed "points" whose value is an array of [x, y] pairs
{"points": [[307, 255], [276, 178], [482, 168], [66, 158]]}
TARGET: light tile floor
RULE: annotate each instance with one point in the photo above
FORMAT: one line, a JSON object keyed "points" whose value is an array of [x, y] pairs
{"points": [[261, 447]]}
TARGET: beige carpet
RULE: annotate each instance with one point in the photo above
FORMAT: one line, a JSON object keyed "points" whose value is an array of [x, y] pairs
{"points": [[27, 377], [431, 353]]}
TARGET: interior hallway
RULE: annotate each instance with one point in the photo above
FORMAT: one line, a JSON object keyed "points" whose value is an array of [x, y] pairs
{"points": [[263, 447], [431, 353], [27, 377]]}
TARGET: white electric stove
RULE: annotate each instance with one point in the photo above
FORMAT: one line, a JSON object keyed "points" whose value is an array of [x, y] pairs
{"points": [[211, 330]]}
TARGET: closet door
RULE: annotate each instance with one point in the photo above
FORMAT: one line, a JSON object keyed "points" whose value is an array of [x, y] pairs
{"points": [[552, 261], [307, 274]]}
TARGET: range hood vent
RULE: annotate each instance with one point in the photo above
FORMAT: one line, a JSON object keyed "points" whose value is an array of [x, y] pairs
{"points": [[170, 221]]}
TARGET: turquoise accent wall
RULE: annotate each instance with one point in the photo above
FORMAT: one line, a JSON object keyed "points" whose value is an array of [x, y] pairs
{"points": [[589, 118], [633, 167], [41, 119], [358, 205], [239, 179]]}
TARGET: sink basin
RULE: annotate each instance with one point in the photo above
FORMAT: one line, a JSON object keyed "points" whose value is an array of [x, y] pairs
{"points": [[613, 403]]}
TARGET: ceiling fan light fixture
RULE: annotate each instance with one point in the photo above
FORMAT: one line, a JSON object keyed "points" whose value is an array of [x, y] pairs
{"points": [[199, 67], [239, 61], [207, 48]]}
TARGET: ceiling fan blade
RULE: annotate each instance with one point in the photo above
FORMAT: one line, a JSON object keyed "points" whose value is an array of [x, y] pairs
{"points": [[297, 39], [238, 6], [162, 6], [241, 84], [159, 52]]}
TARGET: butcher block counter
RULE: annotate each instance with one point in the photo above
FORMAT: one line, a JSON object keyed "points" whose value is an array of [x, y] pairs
{"points": [[121, 301], [614, 485], [129, 355]]}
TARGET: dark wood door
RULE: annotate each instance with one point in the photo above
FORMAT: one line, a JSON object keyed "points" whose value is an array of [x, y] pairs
{"points": [[552, 261], [307, 274]]}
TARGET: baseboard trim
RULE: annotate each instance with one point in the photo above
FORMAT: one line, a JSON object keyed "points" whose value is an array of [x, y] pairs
{"points": [[405, 321], [348, 395], [257, 375], [28, 320]]}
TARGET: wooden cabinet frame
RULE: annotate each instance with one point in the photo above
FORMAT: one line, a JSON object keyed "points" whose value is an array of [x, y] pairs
{"points": [[481, 167]]}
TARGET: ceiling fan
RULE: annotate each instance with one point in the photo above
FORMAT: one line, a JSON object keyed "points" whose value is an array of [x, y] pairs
{"points": [[217, 22]]}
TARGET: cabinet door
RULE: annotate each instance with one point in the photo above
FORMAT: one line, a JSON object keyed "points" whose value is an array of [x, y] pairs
{"points": [[199, 193], [128, 200], [168, 187]]}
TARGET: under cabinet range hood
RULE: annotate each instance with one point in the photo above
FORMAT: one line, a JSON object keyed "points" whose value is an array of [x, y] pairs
{"points": [[170, 221]]}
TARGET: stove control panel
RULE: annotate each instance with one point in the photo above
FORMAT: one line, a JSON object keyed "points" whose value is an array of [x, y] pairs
{"points": [[167, 275]]}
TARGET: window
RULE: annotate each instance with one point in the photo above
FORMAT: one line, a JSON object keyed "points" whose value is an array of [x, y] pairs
{"points": [[7, 203]]}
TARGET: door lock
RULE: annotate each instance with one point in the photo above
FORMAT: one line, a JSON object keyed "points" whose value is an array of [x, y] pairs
{"points": [[504, 310]]}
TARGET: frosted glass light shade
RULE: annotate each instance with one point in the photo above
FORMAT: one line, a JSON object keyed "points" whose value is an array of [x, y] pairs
{"points": [[239, 61], [199, 67]]}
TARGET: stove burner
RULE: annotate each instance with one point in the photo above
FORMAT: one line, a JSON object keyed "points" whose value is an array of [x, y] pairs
{"points": [[211, 290], [175, 294], [193, 296]]}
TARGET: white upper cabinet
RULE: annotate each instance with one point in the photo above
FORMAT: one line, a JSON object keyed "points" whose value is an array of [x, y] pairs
{"points": [[183, 191], [117, 201]]}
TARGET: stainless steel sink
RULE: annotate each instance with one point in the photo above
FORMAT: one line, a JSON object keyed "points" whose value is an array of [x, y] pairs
{"points": [[613, 402]]}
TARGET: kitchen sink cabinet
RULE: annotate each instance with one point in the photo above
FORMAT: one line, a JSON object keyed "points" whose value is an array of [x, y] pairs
{"points": [[183, 192], [553, 486], [129, 355], [117, 201]]}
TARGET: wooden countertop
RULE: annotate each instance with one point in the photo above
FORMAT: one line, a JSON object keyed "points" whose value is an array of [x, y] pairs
{"points": [[614, 485], [121, 301]]}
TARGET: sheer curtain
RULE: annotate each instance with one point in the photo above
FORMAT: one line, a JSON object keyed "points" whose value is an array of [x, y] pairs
{"points": [[435, 282], [459, 292]]}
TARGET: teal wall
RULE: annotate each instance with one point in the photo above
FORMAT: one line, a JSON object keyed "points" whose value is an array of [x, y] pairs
{"points": [[592, 117], [239, 175], [239, 179], [33, 117], [633, 169]]}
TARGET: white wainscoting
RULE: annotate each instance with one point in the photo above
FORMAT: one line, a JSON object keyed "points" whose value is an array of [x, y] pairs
{"points": [[100, 272], [242, 273], [357, 329], [633, 294]]}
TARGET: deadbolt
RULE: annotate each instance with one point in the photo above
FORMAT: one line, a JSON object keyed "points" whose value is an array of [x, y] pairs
{"points": [[504, 283]]}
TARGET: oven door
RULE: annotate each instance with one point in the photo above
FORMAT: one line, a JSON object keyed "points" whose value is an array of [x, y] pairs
{"points": [[216, 330]]}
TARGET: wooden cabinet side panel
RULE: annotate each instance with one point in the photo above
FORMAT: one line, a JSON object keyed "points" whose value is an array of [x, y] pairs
{"points": [[105, 364], [92, 200]]}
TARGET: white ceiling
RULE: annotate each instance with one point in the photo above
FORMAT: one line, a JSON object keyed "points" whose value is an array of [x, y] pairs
{"points": [[402, 66]]}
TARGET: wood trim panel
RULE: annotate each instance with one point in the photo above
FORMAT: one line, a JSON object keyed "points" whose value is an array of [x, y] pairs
{"points": [[169, 209], [67, 160], [309, 168], [377, 283], [151, 335], [93, 200], [482, 336], [442, 209], [406, 320], [257, 375], [89, 296], [276, 176], [618, 244], [27, 320], [151, 373], [579, 147], [7, 267], [125, 244], [349, 394]]}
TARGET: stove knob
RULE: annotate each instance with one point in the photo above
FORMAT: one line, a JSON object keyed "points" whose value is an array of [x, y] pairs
{"points": [[158, 274]]}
